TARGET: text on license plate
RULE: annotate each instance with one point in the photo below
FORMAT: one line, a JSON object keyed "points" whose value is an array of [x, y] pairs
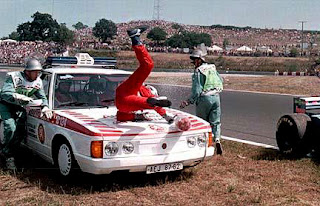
{"points": [[164, 167]]}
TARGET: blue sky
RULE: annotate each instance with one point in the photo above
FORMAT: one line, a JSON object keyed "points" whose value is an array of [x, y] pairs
{"points": [[255, 13]]}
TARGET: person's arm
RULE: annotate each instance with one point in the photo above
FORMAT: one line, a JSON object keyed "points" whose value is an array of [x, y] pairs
{"points": [[196, 88], [8, 93], [40, 94]]}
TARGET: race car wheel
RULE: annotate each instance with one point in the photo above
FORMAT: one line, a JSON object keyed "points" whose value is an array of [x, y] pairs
{"points": [[65, 159], [291, 132]]}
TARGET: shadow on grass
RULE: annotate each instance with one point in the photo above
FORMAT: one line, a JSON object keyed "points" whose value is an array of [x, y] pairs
{"points": [[36, 172], [275, 155]]}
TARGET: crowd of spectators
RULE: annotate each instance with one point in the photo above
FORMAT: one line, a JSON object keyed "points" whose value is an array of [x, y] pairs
{"points": [[18, 52], [280, 41]]}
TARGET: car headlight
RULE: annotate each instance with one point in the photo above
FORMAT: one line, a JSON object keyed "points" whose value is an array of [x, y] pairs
{"points": [[111, 149], [201, 141], [191, 141], [127, 148]]}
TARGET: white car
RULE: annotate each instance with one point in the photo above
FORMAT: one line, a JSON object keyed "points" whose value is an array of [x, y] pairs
{"points": [[84, 132]]}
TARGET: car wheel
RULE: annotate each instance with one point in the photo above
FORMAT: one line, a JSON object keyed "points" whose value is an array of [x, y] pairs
{"points": [[65, 159], [291, 133]]}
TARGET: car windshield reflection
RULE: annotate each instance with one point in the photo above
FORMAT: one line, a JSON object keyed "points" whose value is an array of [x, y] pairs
{"points": [[83, 90]]}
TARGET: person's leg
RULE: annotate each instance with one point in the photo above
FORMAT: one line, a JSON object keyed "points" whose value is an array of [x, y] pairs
{"points": [[214, 117], [9, 130], [215, 122], [127, 99], [132, 85], [20, 133], [208, 108]]}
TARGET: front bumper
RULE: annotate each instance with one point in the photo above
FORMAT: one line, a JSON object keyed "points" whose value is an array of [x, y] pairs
{"points": [[139, 163]]}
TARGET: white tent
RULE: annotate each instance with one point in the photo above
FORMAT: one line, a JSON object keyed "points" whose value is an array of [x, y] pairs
{"points": [[244, 49], [264, 49], [214, 48], [10, 41]]}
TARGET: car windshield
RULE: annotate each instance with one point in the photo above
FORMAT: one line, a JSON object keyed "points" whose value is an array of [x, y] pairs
{"points": [[83, 90]]}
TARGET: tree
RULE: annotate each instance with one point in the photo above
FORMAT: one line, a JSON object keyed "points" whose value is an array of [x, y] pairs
{"points": [[177, 27], [293, 52], [64, 35], [157, 34], [189, 39], [14, 35], [43, 27], [24, 32], [104, 29], [79, 26], [225, 43]]}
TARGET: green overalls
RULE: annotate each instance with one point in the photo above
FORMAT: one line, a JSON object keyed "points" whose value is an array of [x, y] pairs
{"points": [[12, 114], [206, 86]]}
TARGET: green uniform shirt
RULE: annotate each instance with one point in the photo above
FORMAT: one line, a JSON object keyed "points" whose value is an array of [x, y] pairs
{"points": [[205, 78], [16, 82]]}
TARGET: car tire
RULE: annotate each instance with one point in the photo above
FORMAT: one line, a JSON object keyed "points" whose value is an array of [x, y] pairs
{"points": [[65, 160], [292, 132]]}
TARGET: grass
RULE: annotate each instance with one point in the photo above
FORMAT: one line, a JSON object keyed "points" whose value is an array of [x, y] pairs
{"points": [[244, 175]]}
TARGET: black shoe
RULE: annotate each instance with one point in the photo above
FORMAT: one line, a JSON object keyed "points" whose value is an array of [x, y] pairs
{"points": [[160, 103], [219, 148], [136, 31]]}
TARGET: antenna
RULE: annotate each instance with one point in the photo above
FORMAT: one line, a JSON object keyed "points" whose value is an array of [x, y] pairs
{"points": [[52, 8], [302, 22], [156, 10]]}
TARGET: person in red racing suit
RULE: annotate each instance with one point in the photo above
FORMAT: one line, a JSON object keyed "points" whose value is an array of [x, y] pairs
{"points": [[132, 95]]}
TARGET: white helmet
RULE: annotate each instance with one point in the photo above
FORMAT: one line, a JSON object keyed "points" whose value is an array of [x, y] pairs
{"points": [[153, 90], [197, 53], [33, 65]]}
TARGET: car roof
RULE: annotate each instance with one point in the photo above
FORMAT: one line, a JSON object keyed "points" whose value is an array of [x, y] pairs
{"points": [[87, 70]]}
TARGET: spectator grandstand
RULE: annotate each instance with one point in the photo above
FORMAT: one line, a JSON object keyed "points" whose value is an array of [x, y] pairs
{"points": [[279, 41]]}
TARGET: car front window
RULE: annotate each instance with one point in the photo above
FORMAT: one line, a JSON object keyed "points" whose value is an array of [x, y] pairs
{"points": [[83, 90]]}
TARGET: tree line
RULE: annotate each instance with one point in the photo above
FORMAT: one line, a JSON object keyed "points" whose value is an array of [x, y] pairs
{"points": [[44, 28]]}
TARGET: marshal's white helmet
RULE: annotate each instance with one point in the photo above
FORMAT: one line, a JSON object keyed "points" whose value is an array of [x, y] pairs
{"points": [[33, 65], [197, 53]]}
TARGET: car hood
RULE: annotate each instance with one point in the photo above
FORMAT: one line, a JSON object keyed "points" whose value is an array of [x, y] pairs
{"points": [[102, 122]]}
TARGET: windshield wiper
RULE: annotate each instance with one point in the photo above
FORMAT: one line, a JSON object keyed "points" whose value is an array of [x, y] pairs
{"points": [[73, 104], [108, 100]]}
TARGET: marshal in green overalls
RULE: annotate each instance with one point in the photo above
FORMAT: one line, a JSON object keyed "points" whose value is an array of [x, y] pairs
{"points": [[206, 86]]}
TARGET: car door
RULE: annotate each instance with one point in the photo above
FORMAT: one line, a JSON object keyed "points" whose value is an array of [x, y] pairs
{"points": [[39, 130]]}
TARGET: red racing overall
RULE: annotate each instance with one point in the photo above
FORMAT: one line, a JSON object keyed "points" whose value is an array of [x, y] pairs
{"points": [[127, 99]]}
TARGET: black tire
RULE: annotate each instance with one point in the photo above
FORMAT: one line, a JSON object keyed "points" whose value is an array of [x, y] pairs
{"points": [[292, 131], [65, 160]]}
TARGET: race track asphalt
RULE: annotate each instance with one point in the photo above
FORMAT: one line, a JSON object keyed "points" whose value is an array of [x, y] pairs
{"points": [[245, 115]]}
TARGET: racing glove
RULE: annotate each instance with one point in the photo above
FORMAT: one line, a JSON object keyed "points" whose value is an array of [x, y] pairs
{"points": [[169, 117], [47, 112], [21, 99]]}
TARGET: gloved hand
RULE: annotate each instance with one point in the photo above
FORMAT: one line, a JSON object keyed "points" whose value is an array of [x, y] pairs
{"points": [[183, 104], [142, 117], [169, 117], [22, 99], [47, 112]]}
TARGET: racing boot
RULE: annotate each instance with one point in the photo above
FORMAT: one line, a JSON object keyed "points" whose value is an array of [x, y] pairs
{"points": [[159, 102], [135, 33], [219, 148], [10, 165]]}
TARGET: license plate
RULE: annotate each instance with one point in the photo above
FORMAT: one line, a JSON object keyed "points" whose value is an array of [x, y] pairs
{"points": [[164, 168]]}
